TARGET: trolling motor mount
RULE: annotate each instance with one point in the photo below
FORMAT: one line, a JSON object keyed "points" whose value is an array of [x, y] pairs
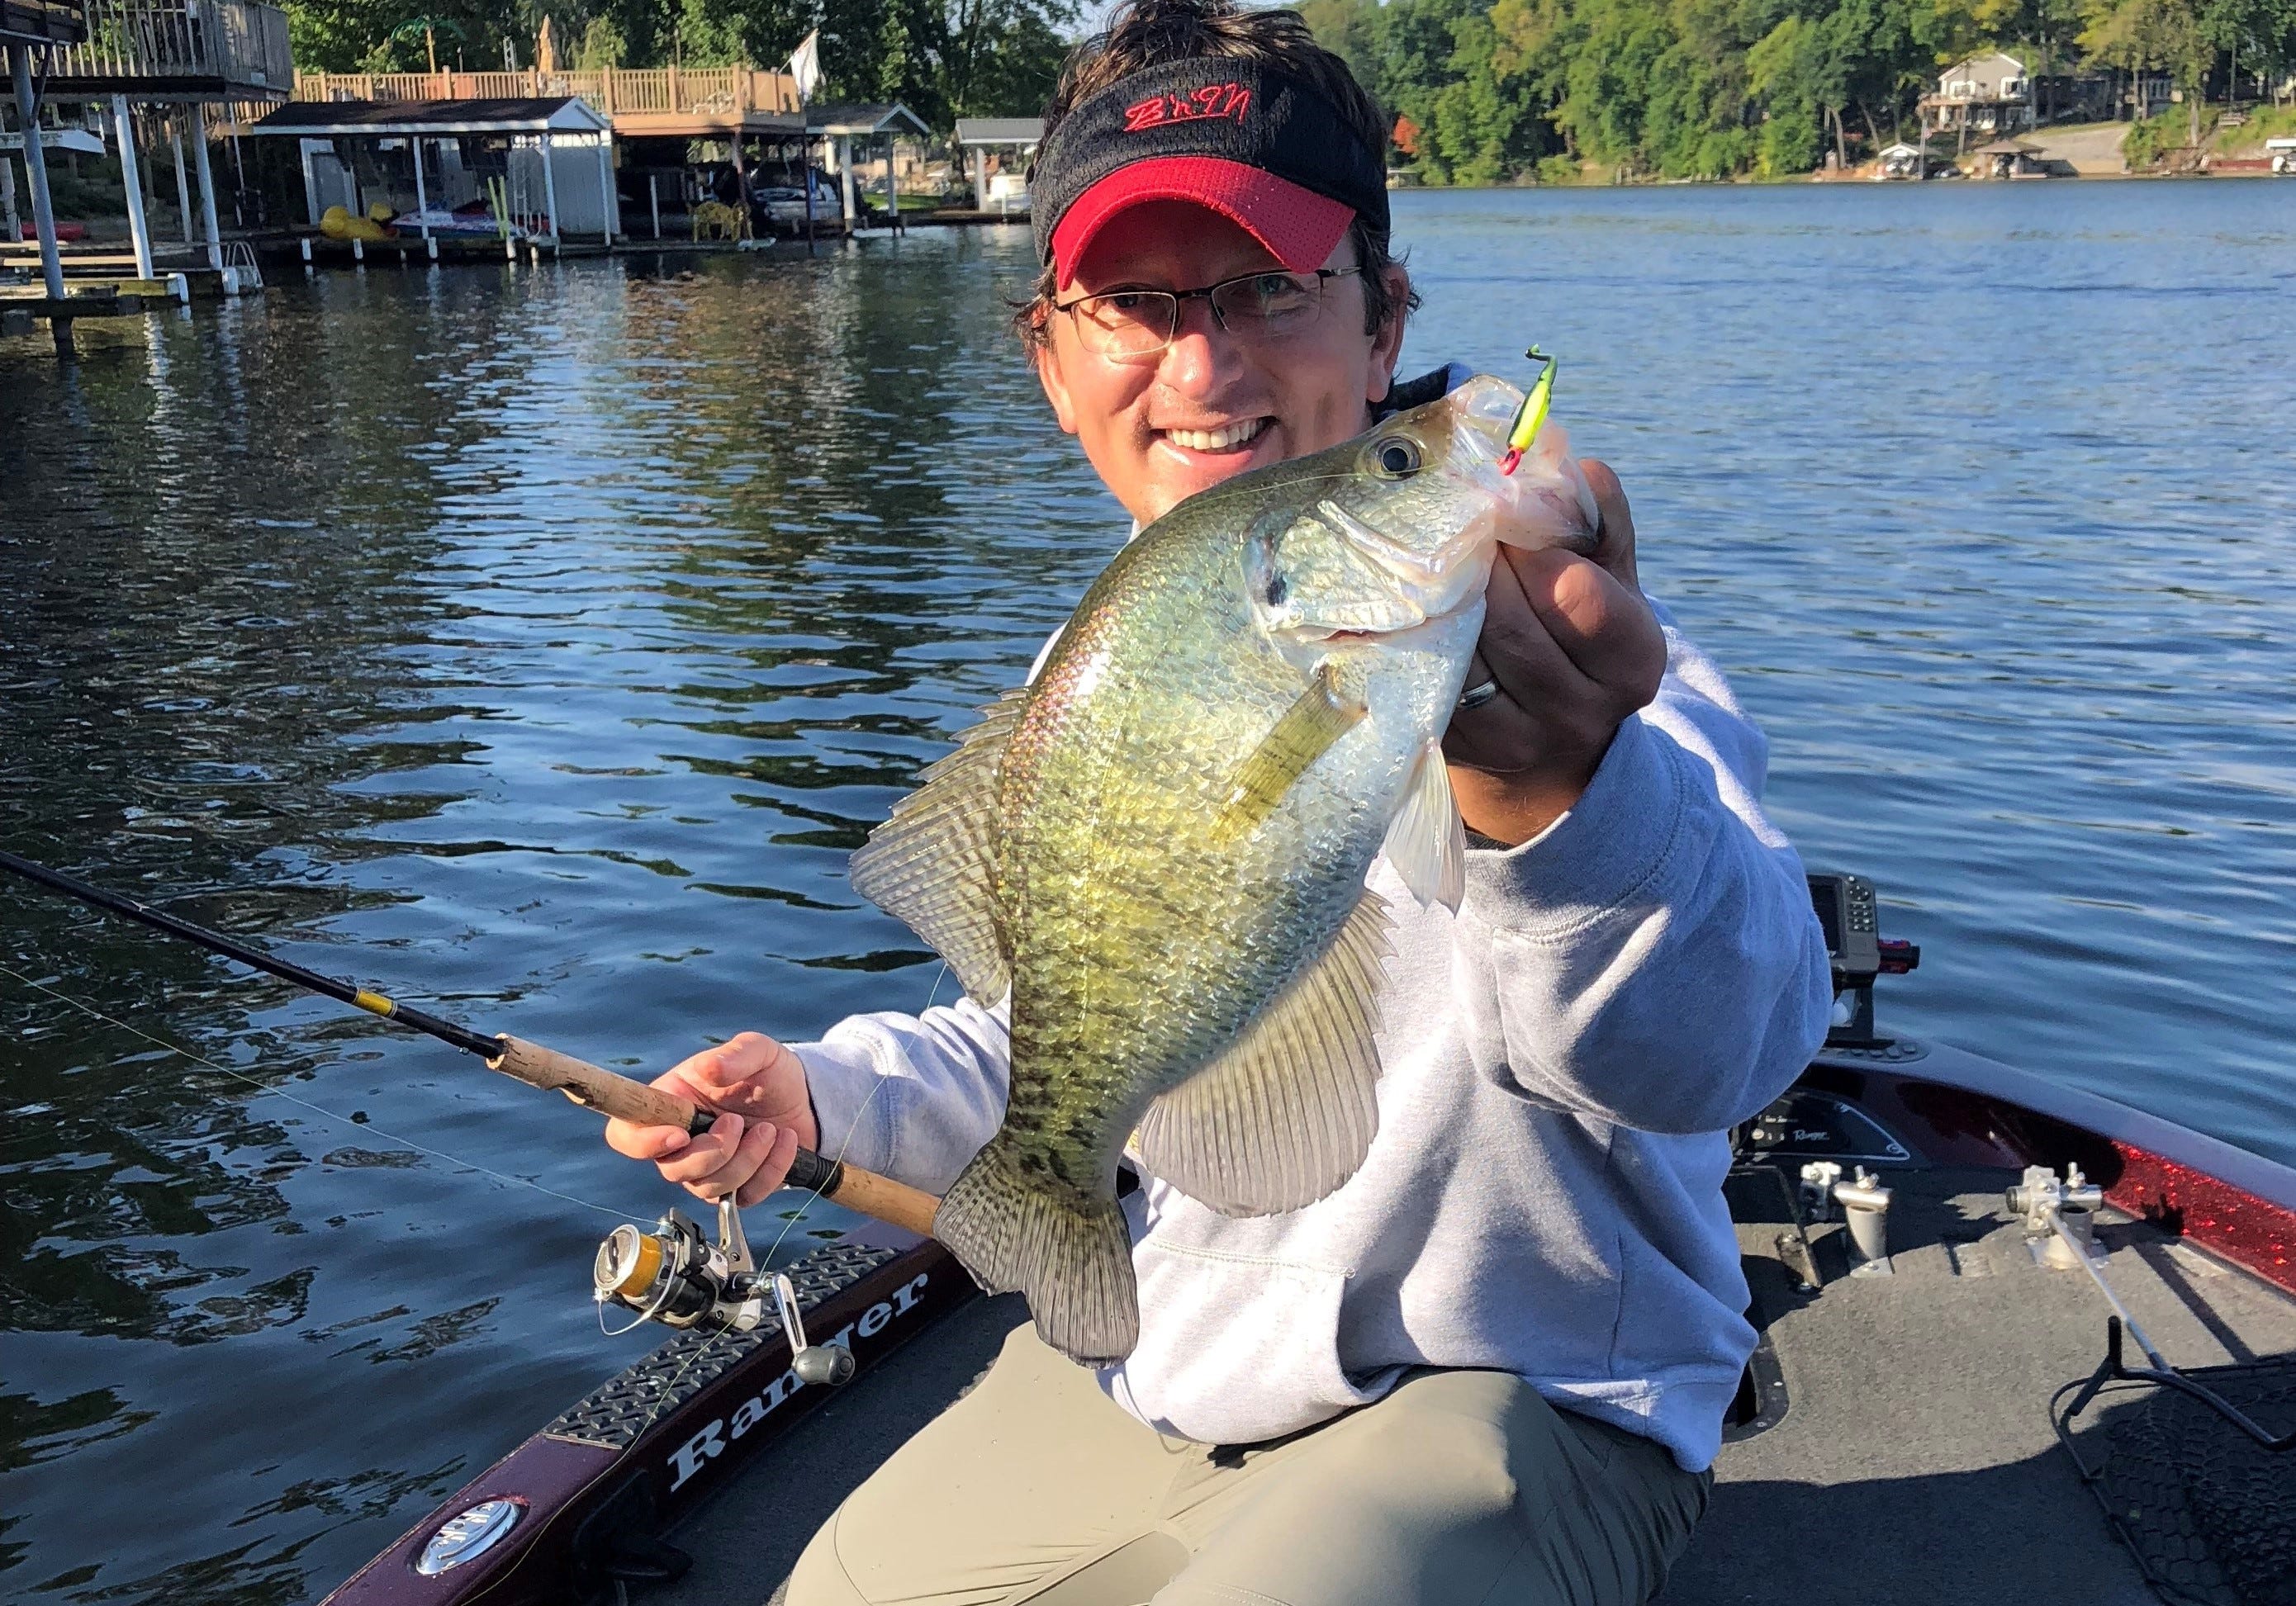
{"points": [[676, 1277]]}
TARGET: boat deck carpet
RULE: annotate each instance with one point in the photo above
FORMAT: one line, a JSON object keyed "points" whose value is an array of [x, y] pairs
{"points": [[1914, 1464]]}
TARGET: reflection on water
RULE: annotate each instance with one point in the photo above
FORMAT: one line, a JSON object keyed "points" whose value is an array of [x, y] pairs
{"points": [[537, 644]]}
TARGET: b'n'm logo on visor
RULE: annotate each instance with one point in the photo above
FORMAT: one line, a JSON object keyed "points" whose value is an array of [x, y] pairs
{"points": [[1213, 101]]}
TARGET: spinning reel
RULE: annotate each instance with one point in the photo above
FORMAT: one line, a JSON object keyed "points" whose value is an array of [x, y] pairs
{"points": [[676, 1277]]}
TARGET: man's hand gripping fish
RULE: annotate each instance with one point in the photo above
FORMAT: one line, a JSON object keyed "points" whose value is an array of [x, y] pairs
{"points": [[1160, 846]]}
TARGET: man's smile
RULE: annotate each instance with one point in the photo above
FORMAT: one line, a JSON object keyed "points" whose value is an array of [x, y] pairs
{"points": [[1221, 438]]}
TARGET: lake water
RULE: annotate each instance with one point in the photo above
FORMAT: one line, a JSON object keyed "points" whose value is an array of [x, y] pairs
{"points": [[535, 645]]}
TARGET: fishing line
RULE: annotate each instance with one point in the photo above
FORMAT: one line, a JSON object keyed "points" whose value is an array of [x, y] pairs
{"points": [[765, 1261], [789, 1225], [868, 1098], [670, 1389], [263, 1086]]}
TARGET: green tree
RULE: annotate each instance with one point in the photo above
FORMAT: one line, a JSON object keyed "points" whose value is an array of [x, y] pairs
{"points": [[2165, 34], [602, 46]]}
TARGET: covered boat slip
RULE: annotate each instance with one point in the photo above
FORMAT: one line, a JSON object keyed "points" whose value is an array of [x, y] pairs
{"points": [[1894, 1447], [552, 157], [1012, 141]]}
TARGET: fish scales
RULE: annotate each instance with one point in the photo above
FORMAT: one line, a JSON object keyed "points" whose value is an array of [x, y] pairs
{"points": [[1132, 928], [1161, 847]]}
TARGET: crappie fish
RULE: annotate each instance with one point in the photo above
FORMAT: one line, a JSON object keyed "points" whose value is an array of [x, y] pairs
{"points": [[1160, 845]]}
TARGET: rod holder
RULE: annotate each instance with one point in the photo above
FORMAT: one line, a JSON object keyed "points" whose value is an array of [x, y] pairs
{"points": [[1866, 1205]]}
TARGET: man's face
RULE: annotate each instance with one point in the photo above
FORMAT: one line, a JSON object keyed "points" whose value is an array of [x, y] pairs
{"points": [[1210, 405]]}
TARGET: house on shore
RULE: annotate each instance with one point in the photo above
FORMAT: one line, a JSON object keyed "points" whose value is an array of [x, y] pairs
{"points": [[1991, 95]]}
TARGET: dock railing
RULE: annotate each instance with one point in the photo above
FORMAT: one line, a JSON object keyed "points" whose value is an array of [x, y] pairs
{"points": [[179, 50], [635, 90]]}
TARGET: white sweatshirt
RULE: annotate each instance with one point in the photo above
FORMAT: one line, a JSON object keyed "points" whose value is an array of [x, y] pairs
{"points": [[1559, 1064]]}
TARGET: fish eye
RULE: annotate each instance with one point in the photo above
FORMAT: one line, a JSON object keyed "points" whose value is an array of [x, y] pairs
{"points": [[1276, 590], [1397, 456]]}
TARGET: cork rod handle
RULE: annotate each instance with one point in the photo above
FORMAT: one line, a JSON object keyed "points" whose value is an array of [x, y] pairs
{"points": [[594, 1088]]}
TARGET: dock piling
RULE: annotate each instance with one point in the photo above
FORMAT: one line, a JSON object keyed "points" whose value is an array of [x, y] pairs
{"points": [[183, 184], [608, 201], [36, 169], [207, 193], [550, 187], [422, 197], [892, 191], [131, 180], [36, 172]]}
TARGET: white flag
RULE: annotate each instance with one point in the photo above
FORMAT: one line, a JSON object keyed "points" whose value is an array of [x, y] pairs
{"points": [[805, 65]]}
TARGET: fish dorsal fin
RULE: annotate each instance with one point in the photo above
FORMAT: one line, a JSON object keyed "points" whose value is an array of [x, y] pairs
{"points": [[1319, 716], [1427, 841], [933, 864], [1287, 1113]]}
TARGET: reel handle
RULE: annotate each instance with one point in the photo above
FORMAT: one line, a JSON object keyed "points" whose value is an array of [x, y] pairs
{"points": [[594, 1088]]}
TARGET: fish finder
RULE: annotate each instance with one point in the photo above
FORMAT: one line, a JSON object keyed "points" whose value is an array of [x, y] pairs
{"points": [[1850, 917]]}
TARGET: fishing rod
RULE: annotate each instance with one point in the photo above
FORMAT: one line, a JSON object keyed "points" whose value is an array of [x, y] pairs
{"points": [[592, 1087]]}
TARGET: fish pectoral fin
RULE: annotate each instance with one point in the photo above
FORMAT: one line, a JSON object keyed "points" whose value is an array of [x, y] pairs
{"points": [[1427, 841], [933, 864], [1287, 1113], [1320, 716]]}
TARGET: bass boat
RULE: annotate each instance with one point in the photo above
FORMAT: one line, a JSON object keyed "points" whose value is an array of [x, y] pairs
{"points": [[2018, 1341]]}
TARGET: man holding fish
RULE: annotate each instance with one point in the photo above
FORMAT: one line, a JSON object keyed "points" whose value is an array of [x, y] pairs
{"points": [[1372, 870]]}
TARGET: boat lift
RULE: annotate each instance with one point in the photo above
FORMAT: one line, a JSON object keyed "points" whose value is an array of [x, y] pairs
{"points": [[177, 55]]}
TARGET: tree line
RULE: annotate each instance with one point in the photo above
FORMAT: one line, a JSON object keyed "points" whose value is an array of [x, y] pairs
{"points": [[1490, 91], [943, 59], [1484, 91]]}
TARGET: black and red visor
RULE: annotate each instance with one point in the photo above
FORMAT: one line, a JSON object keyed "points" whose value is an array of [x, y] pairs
{"points": [[1251, 141]]}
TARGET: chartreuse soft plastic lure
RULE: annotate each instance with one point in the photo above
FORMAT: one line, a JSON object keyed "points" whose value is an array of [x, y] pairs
{"points": [[1531, 413]]}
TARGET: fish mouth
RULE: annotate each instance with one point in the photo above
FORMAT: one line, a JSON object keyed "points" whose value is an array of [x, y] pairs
{"points": [[1410, 619], [1358, 635]]}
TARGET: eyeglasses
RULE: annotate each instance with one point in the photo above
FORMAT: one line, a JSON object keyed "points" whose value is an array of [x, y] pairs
{"points": [[1132, 325]]}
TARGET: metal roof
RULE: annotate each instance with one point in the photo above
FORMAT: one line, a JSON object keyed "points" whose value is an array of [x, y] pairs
{"points": [[1000, 130], [850, 119], [561, 114]]}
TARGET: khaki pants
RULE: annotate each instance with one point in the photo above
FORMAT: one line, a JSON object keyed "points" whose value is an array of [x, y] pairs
{"points": [[1458, 1487]]}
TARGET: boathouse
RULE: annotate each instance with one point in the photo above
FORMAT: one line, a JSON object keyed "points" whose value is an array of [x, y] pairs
{"points": [[544, 167], [2010, 159], [166, 70], [674, 128], [845, 127], [1012, 140]]}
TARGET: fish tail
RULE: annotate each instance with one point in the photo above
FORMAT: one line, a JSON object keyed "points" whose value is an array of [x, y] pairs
{"points": [[1070, 1255]]}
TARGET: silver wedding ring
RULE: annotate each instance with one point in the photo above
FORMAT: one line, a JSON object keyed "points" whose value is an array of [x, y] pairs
{"points": [[1475, 697]]}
